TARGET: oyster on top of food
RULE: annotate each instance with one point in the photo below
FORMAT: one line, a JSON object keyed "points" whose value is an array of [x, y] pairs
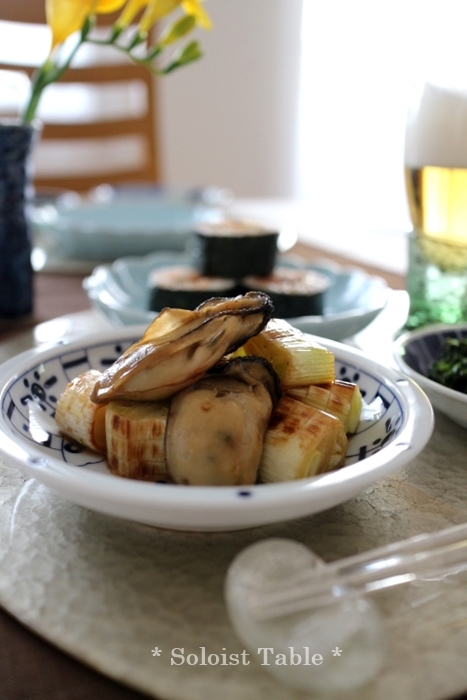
{"points": [[215, 428], [180, 346]]}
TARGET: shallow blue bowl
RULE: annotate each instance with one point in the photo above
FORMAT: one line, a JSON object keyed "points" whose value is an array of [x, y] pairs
{"points": [[354, 298]]}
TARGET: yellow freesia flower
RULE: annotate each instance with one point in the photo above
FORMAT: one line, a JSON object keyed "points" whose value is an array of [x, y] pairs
{"points": [[194, 7], [157, 9], [65, 17], [130, 11]]}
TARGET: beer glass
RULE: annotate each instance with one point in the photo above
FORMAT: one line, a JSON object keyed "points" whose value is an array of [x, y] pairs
{"points": [[436, 184]]}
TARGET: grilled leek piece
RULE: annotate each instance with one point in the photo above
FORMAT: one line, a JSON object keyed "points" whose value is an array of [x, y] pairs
{"points": [[301, 441], [296, 357], [341, 399], [135, 439], [78, 417]]}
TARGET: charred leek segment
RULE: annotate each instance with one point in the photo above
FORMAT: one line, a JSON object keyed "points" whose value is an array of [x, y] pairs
{"points": [[78, 417], [180, 346], [135, 439], [301, 441], [297, 358], [341, 399]]}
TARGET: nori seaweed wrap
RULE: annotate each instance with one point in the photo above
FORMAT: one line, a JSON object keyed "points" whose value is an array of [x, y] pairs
{"points": [[235, 249], [294, 292], [182, 287]]}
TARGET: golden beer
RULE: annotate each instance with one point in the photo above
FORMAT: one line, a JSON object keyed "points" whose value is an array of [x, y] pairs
{"points": [[436, 185], [438, 201]]}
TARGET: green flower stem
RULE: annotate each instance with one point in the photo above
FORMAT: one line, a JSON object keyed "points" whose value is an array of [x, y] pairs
{"points": [[39, 82], [50, 73], [52, 70]]}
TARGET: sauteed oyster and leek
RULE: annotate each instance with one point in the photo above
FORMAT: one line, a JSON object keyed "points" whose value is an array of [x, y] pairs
{"points": [[223, 395]]}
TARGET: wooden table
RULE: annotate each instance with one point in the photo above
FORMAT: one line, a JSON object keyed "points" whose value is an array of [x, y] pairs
{"points": [[30, 667], [58, 294]]}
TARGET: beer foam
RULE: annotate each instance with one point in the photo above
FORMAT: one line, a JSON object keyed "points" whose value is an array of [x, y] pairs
{"points": [[436, 132]]}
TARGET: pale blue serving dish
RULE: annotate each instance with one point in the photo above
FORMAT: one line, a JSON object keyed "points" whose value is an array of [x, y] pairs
{"points": [[107, 223], [354, 298]]}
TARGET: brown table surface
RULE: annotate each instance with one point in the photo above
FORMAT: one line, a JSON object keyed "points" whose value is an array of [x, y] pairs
{"points": [[31, 668], [59, 294]]}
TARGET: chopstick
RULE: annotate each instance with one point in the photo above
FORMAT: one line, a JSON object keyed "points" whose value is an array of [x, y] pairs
{"points": [[424, 557]]}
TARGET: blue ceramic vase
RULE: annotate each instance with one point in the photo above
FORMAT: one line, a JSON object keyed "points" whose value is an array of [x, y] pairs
{"points": [[16, 276]]}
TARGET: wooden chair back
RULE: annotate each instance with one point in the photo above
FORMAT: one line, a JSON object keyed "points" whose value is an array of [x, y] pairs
{"points": [[99, 120]]}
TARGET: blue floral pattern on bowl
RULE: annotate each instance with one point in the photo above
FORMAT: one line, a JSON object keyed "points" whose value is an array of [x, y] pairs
{"points": [[391, 433], [28, 406]]}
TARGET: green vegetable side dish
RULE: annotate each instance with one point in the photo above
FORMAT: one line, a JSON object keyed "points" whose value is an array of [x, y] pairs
{"points": [[450, 369]]}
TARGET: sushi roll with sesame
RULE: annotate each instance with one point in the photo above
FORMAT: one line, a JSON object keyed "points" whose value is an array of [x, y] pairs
{"points": [[182, 287], [234, 249], [294, 292]]}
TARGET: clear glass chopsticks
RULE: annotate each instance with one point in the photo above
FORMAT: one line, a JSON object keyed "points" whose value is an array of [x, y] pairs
{"points": [[432, 557]]}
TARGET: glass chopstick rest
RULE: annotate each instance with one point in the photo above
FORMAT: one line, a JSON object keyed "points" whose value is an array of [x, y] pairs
{"points": [[281, 596], [302, 648]]}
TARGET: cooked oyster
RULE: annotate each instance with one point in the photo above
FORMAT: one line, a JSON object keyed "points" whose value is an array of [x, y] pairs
{"points": [[250, 369], [215, 428], [180, 346]]}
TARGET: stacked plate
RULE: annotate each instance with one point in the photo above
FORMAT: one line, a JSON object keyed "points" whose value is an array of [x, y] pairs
{"points": [[74, 232]]}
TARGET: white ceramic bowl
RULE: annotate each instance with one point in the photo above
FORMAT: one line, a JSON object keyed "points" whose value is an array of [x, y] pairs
{"points": [[29, 439], [415, 351]]}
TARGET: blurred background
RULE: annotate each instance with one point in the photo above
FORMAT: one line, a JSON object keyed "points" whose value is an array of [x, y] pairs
{"points": [[309, 99], [298, 99]]}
